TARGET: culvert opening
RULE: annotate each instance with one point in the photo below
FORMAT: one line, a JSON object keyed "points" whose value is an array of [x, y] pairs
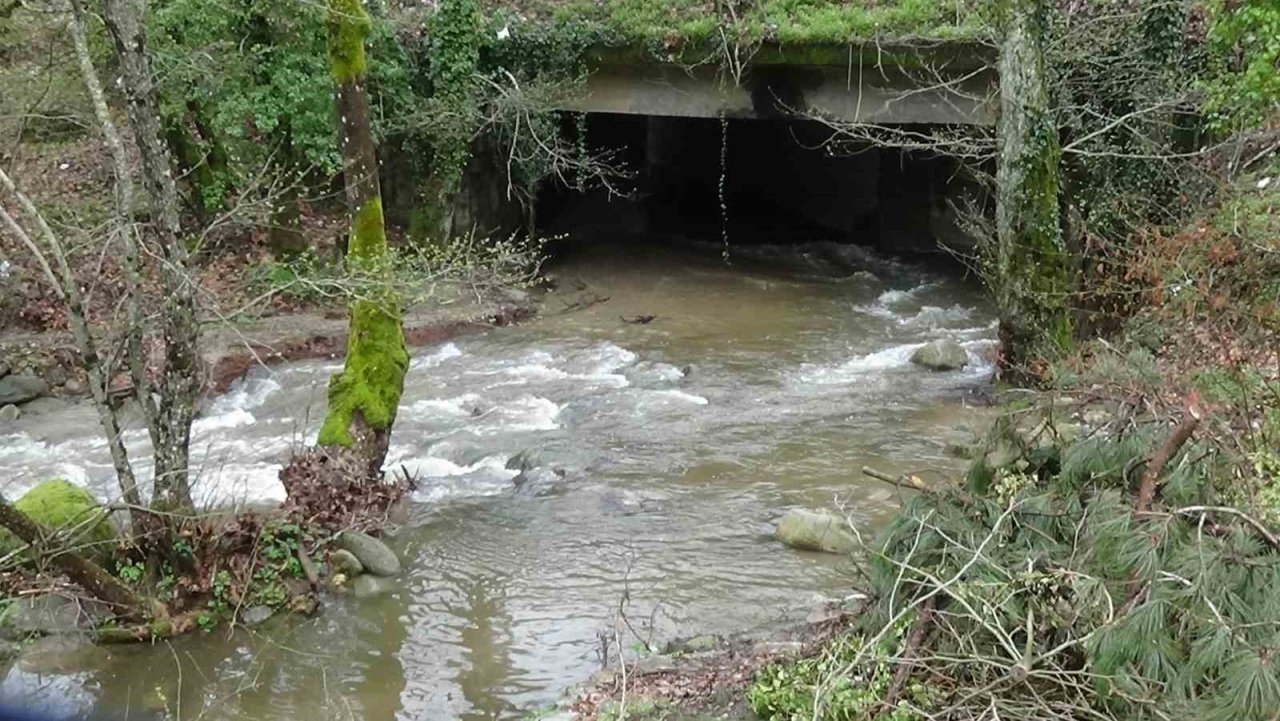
{"points": [[760, 181]]}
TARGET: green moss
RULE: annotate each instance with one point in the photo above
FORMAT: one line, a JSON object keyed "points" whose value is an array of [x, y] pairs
{"points": [[373, 376], [59, 506], [368, 241], [665, 24], [348, 26]]}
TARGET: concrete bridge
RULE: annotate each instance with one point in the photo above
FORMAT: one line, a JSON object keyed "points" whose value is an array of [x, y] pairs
{"points": [[939, 84]]}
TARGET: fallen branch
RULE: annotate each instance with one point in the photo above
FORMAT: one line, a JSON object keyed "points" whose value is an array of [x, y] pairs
{"points": [[308, 568], [915, 641], [910, 482], [1175, 441], [906, 480], [161, 628], [83, 572], [1257, 525]]}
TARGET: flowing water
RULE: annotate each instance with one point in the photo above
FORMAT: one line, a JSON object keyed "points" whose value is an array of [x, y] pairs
{"points": [[563, 465]]}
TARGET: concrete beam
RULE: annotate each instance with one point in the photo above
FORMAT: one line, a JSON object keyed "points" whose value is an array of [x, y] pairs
{"points": [[887, 94]]}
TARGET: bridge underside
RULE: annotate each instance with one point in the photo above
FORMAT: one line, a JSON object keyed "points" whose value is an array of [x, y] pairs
{"points": [[859, 91]]}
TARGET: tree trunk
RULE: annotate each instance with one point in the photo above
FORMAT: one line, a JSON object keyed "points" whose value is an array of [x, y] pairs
{"points": [[171, 408], [99, 375], [83, 572], [1031, 267], [364, 397]]}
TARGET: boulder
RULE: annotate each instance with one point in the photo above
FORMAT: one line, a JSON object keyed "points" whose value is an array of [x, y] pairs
{"points": [[346, 563], [371, 586], [525, 460], [254, 615], [943, 354], [21, 388], [815, 531], [62, 655], [696, 644], [62, 506], [374, 555], [9, 413], [45, 614]]}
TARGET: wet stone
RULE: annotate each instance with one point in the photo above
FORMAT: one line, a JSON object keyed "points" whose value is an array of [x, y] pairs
{"points": [[371, 587], [815, 531], [943, 354], [345, 562], [254, 615], [21, 388], [374, 555], [9, 413]]}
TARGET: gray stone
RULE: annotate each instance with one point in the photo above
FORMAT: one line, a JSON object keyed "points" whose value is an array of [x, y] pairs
{"points": [[525, 460], [73, 387], [697, 644], [9, 413], [371, 586], [254, 615], [815, 531], [778, 648], [346, 563], [60, 655], [373, 554], [943, 354], [652, 664], [44, 614], [21, 388]]}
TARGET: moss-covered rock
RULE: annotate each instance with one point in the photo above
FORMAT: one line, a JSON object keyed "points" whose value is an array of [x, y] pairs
{"points": [[64, 508]]}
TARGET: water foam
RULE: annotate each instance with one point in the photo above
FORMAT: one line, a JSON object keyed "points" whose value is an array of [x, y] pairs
{"points": [[440, 355], [244, 395], [932, 317], [893, 357], [680, 396], [462, 405]]}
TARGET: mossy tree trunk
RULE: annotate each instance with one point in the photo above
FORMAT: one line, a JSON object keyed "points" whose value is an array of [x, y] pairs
{"points": [[1031, 266], [363, 398]]}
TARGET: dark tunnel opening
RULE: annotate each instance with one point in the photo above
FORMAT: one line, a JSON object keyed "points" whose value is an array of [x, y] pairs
{"points": [[782, 183]]}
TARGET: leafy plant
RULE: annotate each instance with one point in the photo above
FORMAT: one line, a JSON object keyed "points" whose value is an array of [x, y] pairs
{"points": [[130, 571], [1244, 87], [843, 683]]}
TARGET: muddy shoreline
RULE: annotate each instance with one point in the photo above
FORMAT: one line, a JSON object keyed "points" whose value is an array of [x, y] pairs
{"points": [[231, 351]]}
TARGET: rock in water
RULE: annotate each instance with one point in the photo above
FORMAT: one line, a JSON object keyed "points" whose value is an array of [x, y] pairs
{"points": [[815, 531], [346, 563], [254, 615], [372, 553], [45, 614], [20, 389], [9, 413], [943, 354], [370, 586]]}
